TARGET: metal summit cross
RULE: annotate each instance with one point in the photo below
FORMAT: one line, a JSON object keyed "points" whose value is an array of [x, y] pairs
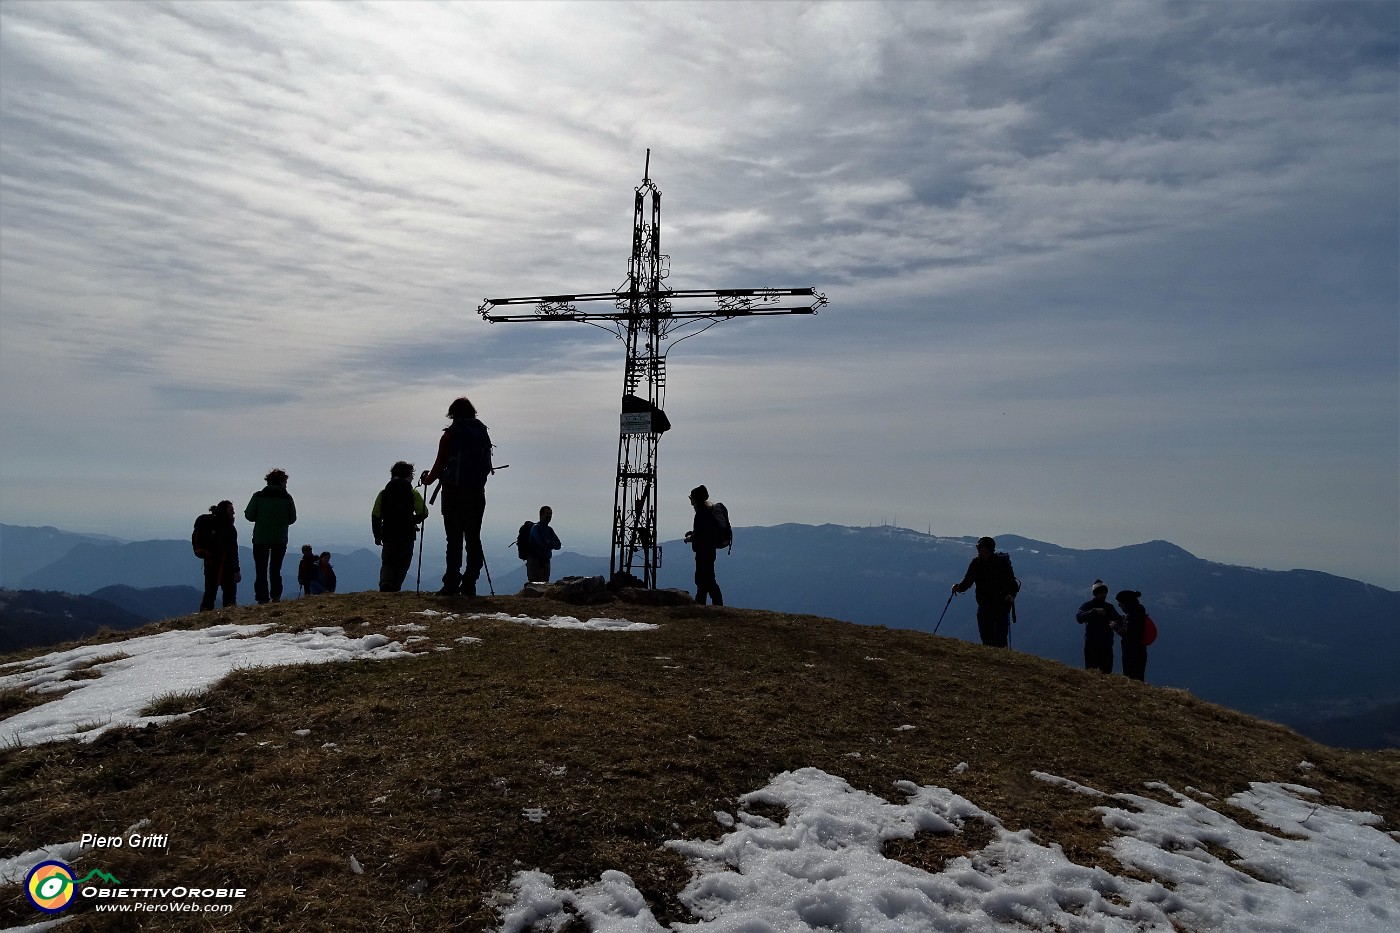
{"points": [[646, 312]]}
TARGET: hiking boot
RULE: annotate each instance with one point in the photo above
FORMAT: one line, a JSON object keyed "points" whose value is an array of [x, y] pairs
{"points": [[468, 590], [448, 589]]}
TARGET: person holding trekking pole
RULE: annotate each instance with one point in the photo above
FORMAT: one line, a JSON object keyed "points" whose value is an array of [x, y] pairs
{"points": [[397, 513], [992, 574], [462, 467]]}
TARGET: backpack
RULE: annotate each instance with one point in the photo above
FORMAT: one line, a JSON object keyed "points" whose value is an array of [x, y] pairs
{"points": [[1149, 630], [522, 540], [469, 460], [1010, 585], [204, 535], [726, 531]]}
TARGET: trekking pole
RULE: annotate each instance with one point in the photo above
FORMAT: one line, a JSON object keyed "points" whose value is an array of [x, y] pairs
{"points": [[487, 566], [422, 533], [945, 610]]}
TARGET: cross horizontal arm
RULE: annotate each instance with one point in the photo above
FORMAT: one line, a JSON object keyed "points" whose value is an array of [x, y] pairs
{"points": [[732, 302], [691, 293], [662, 315]]}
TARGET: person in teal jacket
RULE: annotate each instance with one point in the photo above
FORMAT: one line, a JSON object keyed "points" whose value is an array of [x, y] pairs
{"points": [[272, 512]]}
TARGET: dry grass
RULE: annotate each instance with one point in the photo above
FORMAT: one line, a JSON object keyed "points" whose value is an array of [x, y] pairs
{"points": [[423, 769]]}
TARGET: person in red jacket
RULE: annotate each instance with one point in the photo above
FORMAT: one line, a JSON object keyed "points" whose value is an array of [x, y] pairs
{"points": [[1130, 631]]}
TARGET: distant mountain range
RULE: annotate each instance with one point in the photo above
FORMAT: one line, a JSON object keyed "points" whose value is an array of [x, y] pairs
{"points": [[1299, 647]]}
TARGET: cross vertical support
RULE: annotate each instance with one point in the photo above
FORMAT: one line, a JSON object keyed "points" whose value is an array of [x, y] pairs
{"points": [[645, 313], [634, 534]]}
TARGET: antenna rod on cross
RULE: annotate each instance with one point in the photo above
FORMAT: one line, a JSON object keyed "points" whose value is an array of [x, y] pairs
{"points": [[644, 313]]}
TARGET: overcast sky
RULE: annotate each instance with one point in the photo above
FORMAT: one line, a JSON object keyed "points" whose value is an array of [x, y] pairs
{"points": [[1098, 273]]}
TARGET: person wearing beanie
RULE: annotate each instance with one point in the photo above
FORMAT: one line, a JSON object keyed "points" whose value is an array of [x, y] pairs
{"points": [[996, 584], [1098, 618], [704, 540], [1131, 630]]}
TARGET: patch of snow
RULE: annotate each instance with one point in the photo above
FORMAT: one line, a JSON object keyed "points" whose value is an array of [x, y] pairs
{"points": [[151, 666], [824, 868], [592, 625]]}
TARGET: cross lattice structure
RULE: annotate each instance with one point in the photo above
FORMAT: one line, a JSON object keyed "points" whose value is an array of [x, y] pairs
{"points": [[651, 318]]}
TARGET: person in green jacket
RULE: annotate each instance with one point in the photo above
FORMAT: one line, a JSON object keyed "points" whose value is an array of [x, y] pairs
{"points": [[271, 511]]}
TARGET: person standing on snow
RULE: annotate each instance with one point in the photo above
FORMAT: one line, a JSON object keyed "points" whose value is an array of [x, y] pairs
{"points": [[1131, 630], [398, 511], [996, 584], [219, 548], [1098, 618], [543, 542], [271, 511], [704, 539], [462, 466]]}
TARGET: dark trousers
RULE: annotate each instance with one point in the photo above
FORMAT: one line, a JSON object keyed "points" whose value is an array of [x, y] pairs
{"points": [[1098, 654], [1135, 661], [463, 508], [267, 559], [705, 584], [216, 578], [994, 624], [394, 561], [537, 570]]}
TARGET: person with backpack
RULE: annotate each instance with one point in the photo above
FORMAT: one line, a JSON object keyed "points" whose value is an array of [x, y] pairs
{"points": [[1134, 630], [1098, 618], [536, 543], [272, 512], [708, 534], [398, 511], [462, 466], [215, 541], [997, 586], [306, 570]]}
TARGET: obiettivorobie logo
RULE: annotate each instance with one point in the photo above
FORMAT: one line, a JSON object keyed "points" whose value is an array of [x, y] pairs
{"points": [[50, 885], [52, 888]]}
